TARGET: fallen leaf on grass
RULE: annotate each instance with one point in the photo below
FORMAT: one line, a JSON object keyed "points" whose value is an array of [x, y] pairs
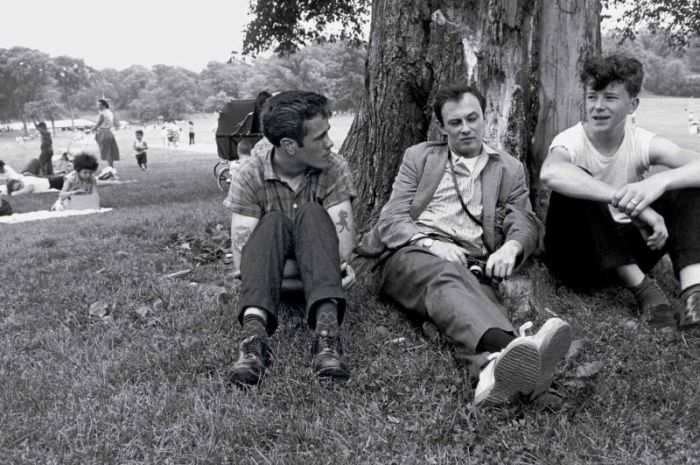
{"points": [[143, 311], [575, 348], [431, 332], [394, 420], [589, 369], [100, 309]]}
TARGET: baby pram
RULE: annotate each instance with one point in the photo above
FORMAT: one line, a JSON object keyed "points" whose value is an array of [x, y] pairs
{"points": [[238, 120]]}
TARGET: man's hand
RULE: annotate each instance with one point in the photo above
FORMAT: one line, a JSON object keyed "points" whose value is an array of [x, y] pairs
{"points": [[348, 275], [633, 198], [450, 252], [502, 262], [650, 220]]}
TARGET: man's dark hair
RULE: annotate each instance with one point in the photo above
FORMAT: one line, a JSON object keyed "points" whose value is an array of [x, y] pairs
{"points": [[13, 185], [41, 125], [85, 161], [600, 71], [453, 93], [139, 132], [284, 114], [103, 102]]}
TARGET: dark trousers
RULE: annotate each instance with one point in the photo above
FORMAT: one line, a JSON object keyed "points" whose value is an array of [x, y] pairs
{"points": [[446, 293], [191, 138], [45, 165], [584, 244], [310, 238]]}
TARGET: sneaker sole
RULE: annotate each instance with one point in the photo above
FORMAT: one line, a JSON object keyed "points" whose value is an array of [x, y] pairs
{"points": [[553, 349], [516, 372]]}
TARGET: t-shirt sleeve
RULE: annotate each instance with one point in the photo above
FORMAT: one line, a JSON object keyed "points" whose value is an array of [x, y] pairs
{"points": [[567, 140], [340, 185], [242, 198]]}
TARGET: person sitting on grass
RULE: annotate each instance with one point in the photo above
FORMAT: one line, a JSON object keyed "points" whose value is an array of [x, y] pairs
{"points": [[611, 219], [80, 181], [292, 215], [459, 219]]}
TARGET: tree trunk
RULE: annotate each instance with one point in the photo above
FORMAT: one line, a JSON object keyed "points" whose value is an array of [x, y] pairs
{"points": [[523, 54]]}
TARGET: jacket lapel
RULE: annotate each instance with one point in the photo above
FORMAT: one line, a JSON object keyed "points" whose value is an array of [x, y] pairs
{"points": [[433, 171]]}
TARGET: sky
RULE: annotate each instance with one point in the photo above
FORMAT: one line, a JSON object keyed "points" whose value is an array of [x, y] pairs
{"points": [[121, 33]]}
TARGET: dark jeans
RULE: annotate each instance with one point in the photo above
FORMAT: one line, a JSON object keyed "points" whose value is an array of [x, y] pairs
{"points": [[584, 244], [191, 138], [310, 238], [45, 165]]}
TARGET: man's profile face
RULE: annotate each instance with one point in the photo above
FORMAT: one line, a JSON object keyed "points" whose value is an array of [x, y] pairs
{"points": [[316, 149], [463, 124], [607, 108]]}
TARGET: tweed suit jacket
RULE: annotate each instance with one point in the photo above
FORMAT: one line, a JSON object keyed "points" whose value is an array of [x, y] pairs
{"points": [[507, 212]]}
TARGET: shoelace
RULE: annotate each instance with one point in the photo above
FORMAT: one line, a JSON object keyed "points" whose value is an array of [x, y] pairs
{"points": [[251, 346], [328, 341]]}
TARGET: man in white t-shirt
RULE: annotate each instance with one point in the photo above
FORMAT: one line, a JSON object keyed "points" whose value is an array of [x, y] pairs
{"points": [[608, 216]]}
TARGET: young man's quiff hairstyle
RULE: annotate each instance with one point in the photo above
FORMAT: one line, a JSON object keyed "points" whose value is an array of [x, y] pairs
{"points": [[600, 71], [284, 114], [454, 93]]}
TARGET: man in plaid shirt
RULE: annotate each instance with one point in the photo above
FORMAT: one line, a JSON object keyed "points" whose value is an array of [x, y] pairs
{"points": [[292, 228]]}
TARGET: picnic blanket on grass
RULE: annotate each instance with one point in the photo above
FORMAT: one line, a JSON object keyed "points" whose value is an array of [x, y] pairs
{"points": [[46, 214]]}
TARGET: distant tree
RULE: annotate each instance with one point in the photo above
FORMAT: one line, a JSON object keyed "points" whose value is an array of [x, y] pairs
{"points": [[46, 106], [70, 75], [23, 72], [679, 20], [216, 102]]}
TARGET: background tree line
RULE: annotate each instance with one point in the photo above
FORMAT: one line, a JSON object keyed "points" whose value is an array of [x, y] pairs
{"points": [[34, 85]]}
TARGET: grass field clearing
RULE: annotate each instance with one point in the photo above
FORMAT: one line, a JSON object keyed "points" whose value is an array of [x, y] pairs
{"points": [[145, 382]]}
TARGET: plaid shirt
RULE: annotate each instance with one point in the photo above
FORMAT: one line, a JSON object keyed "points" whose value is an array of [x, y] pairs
{"points": [[256, 189]]}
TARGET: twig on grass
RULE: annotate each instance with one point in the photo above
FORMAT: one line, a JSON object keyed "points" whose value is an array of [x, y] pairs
{"points": [[177, 273]]}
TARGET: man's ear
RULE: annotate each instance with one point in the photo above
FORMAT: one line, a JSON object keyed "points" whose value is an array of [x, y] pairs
{"points": [[289, 145], [635, 104]]}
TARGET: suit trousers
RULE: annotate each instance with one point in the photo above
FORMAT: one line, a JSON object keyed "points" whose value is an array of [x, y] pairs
{"points": [[310, 239], [445, 293]]}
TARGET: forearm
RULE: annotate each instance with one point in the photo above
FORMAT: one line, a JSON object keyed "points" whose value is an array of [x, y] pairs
{"points": [[572, 181], [684, 177]]}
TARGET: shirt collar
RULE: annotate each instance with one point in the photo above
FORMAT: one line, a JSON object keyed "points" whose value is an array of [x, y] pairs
{"points": [[269, 172], [486, 151]]}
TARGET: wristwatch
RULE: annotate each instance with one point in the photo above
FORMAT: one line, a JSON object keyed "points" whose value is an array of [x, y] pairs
{"points": [[427, 242]]}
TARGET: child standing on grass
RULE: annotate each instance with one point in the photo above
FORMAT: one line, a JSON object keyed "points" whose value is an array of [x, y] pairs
{"points": [[45, 166], [140, 147]]}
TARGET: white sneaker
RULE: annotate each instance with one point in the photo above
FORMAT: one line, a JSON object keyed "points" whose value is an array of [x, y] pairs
{"points": [[553, 341], [512, 371]]}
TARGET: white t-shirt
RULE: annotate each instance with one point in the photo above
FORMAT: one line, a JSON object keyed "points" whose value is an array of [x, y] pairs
{"points": [[40, 184], [627, 165]]}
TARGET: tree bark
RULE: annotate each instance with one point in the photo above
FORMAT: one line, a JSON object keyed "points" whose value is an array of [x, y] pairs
{"points": [[523, 54]]}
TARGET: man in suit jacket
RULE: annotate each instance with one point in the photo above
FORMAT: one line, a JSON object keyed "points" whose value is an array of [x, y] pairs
{"points": [[455, 205]]}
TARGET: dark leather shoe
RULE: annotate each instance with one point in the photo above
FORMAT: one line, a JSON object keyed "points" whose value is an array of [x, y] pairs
{"points": [[329, 362], [690, 311], [253, 357]]}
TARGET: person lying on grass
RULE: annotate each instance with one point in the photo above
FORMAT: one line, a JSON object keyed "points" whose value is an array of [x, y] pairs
{"points": [[292, 217], [609, 218], [82, 180], [458, 219]]}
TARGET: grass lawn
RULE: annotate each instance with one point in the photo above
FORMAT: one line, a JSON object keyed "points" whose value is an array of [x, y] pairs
{"points": [[143, 380]]}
